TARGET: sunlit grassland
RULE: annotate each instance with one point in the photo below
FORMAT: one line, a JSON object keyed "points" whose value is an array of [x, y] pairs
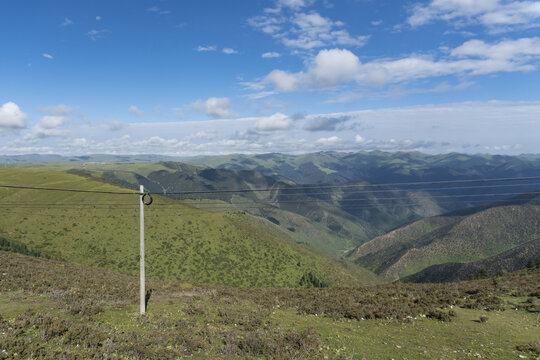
{"points": [[182, 242]]}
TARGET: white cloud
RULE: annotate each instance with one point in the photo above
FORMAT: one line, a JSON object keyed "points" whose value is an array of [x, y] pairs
{"points": [[331, 67], [96, 34], [305, 31], [267, 24], [504, 50], [201, 48], [430, 128], [214, 107], [276, 122], [497, 15], [66, 22], [229, 51], [52, 121], [48, 56], [136, 111], [293, 4], [11, 117], [282, 80], [312, 30], [476, 57], [269, 55], [48, 126], [98, 18], [60, 109], [329, 141], [362, 141]]}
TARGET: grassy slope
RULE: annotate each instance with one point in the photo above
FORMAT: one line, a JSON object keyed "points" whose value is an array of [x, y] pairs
{"points": [[182, 242], [457, 237], [510, 260], [330, 222], [306, 224], [53, 310]]}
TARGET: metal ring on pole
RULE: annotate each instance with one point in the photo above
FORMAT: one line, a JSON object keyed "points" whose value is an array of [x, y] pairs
{"points": [[150, 200]]}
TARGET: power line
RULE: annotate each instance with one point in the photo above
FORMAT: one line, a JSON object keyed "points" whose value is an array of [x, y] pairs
{"points": [[203, 202], [278, 188], [69, 190], [349, 186]]}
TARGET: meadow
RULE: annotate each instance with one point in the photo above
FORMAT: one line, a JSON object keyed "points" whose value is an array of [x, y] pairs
{"points": [[55, 310]]}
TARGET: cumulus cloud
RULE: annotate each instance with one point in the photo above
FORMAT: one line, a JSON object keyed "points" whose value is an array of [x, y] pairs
{"points": [[331, 67], [276, 122], [136, 111], [269, 55], [11, 117], [48, 56], [60, 110], [283, 80], [359, 139], [214, 107], [52, 121], [229, 51], [49, 126], [497, 15], [475, 57]]}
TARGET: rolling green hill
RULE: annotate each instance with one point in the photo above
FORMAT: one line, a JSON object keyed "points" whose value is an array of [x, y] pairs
{"points": [[330, 220], [511, 260], [462, 236], [182, 242]]}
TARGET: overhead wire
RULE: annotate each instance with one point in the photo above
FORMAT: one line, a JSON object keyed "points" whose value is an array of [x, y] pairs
{"points": [[279, 188]]}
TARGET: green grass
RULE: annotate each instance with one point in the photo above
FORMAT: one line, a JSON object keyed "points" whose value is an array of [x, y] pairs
{"points": [[182, 242], [51, 310]]}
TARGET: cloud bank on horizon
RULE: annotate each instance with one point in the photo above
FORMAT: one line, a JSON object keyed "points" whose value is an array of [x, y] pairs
{"points": [[289, 76]]}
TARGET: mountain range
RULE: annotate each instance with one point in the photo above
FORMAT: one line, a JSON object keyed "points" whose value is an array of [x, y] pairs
{"points": [[395, 214]]}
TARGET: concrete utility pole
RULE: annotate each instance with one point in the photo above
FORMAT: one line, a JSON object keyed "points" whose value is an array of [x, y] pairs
{"points": [[143, 290]]}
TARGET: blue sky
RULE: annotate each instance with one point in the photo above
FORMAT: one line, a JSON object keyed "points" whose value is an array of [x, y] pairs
{"points": [[217, 77]]}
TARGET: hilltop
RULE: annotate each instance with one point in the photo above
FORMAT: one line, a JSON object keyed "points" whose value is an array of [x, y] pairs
{"points": [[182, 242]]}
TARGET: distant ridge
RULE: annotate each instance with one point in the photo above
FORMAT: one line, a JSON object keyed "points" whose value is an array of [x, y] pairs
{"points": [[467, 235]]}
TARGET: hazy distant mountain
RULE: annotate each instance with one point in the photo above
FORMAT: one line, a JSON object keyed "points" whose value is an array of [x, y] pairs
{"points": [[94, 158], [377, 166]]}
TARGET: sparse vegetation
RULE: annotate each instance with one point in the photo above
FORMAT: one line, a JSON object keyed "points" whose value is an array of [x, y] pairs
{"points": [[52, 309]]}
